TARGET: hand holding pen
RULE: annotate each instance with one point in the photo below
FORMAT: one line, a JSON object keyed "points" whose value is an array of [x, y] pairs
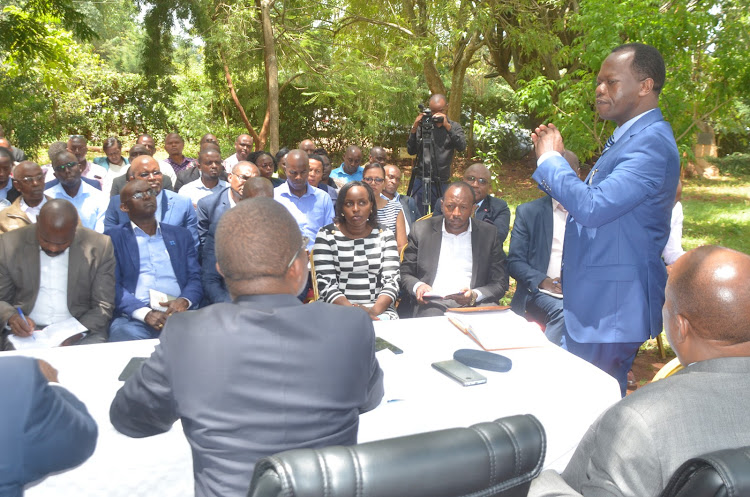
{"points": [[20, 325]]}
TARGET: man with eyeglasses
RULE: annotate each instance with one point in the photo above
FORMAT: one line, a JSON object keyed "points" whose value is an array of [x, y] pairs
{"points": [[261, 374], [171, 208], [90, 202], [28, 179], [78, 146], [157, 273], [488, 208]]}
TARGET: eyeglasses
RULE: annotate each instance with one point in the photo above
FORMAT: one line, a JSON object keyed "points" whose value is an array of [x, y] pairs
{"points": [[62, 167], [30, 180], [243, 177], [146, 174], [305, 241], [147, 193], [377, 181], [472, 179]]}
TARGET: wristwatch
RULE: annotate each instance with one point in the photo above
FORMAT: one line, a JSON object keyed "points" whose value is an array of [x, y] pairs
{"points": [[473, 299]]}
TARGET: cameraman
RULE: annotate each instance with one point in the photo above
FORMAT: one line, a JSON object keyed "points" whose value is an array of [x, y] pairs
{"points": [[447, 137]]}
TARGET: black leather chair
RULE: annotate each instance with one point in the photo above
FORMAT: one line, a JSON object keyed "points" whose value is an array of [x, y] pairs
{"points": [[488, 459], [725, 473]]}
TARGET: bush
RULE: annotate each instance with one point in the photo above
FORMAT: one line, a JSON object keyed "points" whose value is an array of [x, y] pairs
{"points": [[736, 163]]}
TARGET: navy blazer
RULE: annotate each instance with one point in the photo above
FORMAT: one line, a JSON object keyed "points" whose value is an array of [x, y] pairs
{"points": [[613, 275], [214, 287], [210, 210], [176, 210], [492, 210], [530, 248], [182, 254], [44, 428]]}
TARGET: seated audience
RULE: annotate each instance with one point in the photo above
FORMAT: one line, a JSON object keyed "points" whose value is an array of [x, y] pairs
{"points": [[171, 208], [210, 166], [151, 256], [316, 176], [174, 145], [311, 207], [136, 151], [356, 260], [243, 145], [43, 427], [452, 261], [211, 208], [113, 161], [535, 261], [349, 170], [256, 376], [390, 213], [634, 447], [488, 208], [673, 249], [49, 173], [8, 193], [267, 165], [78, 146], [54, 270], [28, 179], [390, 191], [90, 202], [379, 155], [214, 286]]}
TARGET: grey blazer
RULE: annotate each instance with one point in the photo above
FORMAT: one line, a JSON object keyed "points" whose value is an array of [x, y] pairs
{"points": [[634, 447], [251, 378], [91, 278]]}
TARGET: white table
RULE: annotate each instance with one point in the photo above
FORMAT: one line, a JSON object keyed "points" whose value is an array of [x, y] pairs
{"points": [[564, 392]]}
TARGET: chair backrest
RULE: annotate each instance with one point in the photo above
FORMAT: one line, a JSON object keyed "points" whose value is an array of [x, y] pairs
{"points": [[313, 278], [725, 473], [497, 458]]}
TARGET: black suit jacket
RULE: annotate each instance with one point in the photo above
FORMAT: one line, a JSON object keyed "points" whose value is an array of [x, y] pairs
{"points": [[119, 183], [492, 210], [489, 274]]}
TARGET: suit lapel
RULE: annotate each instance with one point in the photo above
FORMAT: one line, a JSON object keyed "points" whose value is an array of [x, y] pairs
{"points": [[174, 257], [547, 229], [483, 209], [131, 247], [433, 248], [31, 273], [75, 259], [165, 201], [475, 245]]}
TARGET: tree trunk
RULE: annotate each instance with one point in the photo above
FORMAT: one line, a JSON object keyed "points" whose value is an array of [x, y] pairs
{"points": [[465, 51], [272, 76], [432, 77], [228, 76]]}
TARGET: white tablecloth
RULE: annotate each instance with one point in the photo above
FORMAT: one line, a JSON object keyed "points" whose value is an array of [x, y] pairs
{"points": [[564, 392]]}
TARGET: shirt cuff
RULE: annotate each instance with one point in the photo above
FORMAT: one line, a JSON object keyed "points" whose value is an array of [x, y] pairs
{"points": [[547, 155], [140, 314], [417, 285], [479, 295], [190, 304]]}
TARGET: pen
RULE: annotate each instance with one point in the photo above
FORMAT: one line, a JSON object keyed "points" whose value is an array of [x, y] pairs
{"points": [[20, 314], [465, 329]]}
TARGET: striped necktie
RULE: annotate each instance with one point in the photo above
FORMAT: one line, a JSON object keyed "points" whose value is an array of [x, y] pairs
{"points": [[610, 142]]}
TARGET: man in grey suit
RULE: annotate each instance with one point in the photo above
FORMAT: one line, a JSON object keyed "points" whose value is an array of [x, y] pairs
{"points": [[452, 260], [634, 447], [261, 374]]}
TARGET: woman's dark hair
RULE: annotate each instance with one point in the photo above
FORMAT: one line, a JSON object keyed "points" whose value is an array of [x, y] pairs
{"points": [[111, 142], [320, 151], [260, 153], [372, 219], [373, 165]]}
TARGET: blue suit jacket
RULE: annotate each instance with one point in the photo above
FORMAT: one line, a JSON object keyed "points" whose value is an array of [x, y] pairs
{"points": [[530, 248], [43, 428], [175, 209], [182, 254], [209, 211], [613, 275], [214, 287], [492, 210]]}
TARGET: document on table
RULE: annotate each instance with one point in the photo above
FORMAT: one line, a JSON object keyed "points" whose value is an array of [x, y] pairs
{"points": [[51, 336], [500, 330]]}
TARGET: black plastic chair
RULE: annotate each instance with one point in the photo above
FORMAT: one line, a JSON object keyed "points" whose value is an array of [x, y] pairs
{"points": [[724, 473]]}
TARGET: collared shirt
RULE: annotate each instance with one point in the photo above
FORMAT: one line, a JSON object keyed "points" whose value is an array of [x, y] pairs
{"points": [[454, 264], [232, 203], [230, 162], [559, 216], [312, 211], [4, 191], [51, 304], [181, 166], [114, 171], [90, 203], [95, 172], [32, 212], [155, 270], [341, 177], [196, 190]]}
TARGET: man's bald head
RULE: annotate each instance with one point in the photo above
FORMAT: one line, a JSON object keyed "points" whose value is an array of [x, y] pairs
{"points": [[56, 226], [257, 187], [572, 160], [707, 311], [140, 164], [255, 242]]}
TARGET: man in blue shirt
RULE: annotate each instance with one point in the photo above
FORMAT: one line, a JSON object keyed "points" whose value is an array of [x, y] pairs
{"points": [[311, 207], [151, 257], [350, 169]]}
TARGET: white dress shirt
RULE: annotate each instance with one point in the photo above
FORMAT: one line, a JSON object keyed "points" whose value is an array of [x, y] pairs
{"points": [[559, 216], [32, 212], [51, 304]]}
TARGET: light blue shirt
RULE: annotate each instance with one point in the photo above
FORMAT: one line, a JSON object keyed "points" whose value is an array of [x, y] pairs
{"points": [[312, 211], [155, 271], [4, 191], [340, 174], [196, 190], [90, 203]]}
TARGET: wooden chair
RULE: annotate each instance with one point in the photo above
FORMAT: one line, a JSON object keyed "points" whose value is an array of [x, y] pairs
{"points": [[314, 280]]}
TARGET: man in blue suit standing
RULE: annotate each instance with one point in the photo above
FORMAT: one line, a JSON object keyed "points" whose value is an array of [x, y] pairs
{"points": [[171, 208], [43, 427], [535, 260], [150, 256], [613, 276]]}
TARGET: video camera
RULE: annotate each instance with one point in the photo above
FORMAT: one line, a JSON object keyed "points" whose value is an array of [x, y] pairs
{"points": [[428, 120]]}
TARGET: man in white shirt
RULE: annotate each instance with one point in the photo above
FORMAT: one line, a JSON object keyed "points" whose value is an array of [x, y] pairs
{"points": [[453, 260], [90, 202], [209, 162], [673, 249], [243, 145]]}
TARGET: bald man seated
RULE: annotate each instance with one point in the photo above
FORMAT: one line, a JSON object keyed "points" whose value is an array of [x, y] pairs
{"points": [[54, 270], [28, 179], [255, 376], [634, 447]]}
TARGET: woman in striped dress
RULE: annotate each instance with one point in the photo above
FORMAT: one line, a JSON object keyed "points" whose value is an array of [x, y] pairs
{"points": [[356, 261], [390, 212]]}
